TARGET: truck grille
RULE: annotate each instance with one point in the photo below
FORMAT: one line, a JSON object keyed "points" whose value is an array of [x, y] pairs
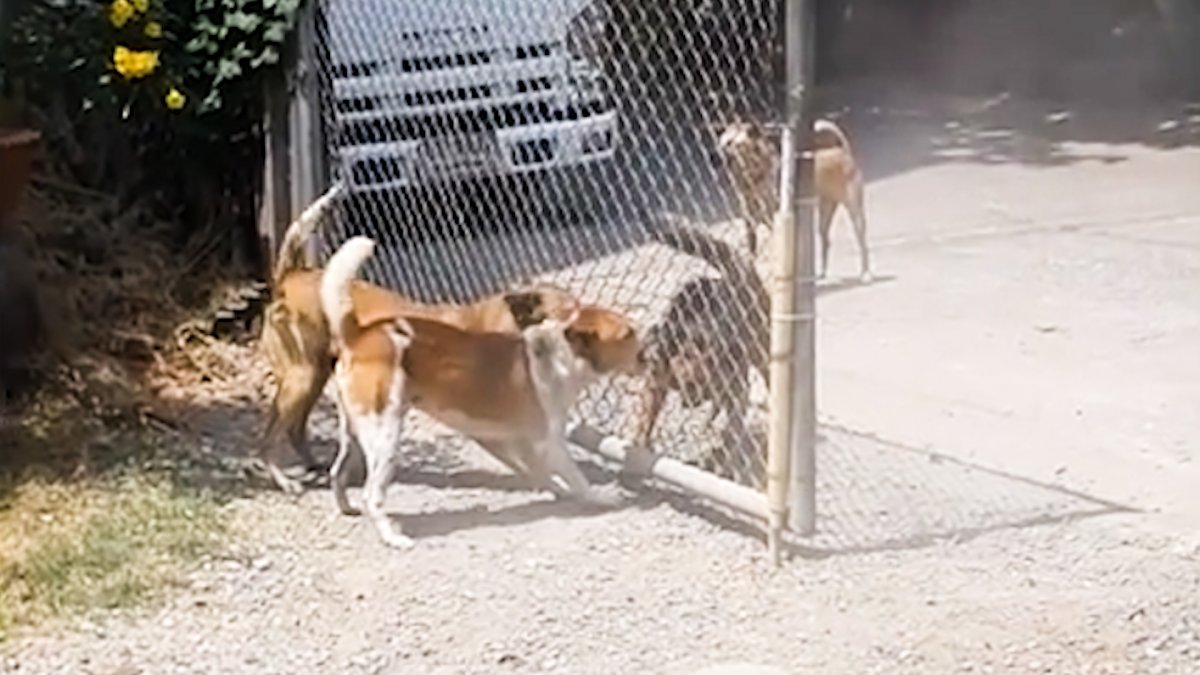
{"points": [[415, 127], [421, 64]]}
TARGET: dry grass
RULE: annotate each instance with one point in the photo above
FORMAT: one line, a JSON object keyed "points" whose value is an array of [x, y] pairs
{"points": [[99, 509], [68, 547]]}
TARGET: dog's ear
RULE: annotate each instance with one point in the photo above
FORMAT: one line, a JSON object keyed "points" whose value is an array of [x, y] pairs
{"points": [[583, 339], [527, 307]]}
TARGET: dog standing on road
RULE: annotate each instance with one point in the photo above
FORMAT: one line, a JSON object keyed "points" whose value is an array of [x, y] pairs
{"points": [[510, 393], [752, 160], [296, 340]]}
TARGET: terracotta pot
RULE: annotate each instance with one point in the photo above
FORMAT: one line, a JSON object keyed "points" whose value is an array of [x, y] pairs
{"points": [[18, 149]]}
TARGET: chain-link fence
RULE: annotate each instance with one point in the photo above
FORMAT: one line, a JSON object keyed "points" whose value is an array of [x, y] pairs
{"points": [[496, 142]]}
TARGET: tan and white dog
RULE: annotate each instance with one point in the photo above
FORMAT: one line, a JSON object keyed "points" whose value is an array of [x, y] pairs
{"points": [[509, 392], [296, 341]]}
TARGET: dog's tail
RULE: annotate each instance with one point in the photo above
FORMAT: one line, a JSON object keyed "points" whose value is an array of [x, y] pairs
{"points": [[688, 239], [336, 281], [826, 130], [293, 252], [749, 289]]}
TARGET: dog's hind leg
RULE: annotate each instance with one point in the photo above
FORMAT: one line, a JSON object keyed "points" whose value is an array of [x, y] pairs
{"points": [[299, 389], [338, 478], [858, 215], [751, 234], [310, 389], [745, 457], [379, 437]]}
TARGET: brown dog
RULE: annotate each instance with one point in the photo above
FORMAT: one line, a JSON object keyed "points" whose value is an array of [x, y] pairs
{"points": [[753, 163], [713, 334], [511, 393], [296, 340]]}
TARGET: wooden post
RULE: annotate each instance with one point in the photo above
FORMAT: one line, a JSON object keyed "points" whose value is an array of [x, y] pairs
{"points": [[305, 146], [275, 208], [293, 166]]}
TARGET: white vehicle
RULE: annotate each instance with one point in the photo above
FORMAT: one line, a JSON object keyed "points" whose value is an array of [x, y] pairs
{"points": [[437, 90]]}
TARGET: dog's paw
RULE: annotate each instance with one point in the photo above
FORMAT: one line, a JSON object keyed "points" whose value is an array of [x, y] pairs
{"points": [[602, 500], [288, 485], [314, 478], [398, 541], [866, 278]]}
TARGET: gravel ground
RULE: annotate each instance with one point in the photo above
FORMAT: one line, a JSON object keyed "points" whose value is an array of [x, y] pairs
{"points": [[509, 581]]}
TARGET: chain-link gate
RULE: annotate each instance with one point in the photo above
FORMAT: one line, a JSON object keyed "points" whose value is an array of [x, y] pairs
{"points": [[487, 143]]}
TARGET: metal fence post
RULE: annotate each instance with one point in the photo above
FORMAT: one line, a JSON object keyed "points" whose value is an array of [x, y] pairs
{"points": [[785, 316], [800, 55]]}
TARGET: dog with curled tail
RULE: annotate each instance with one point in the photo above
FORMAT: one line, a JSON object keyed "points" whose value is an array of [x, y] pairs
{"points": [[752, 160], [510, 392]]}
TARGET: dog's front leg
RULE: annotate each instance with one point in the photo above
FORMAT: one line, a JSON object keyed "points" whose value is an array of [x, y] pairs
{"points": [[826, 208], [654, 394], [512, 455], [558, 463]]}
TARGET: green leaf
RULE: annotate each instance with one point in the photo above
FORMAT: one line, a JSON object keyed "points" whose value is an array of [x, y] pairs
{"points": [[247, 23], [240, 52], [227, 70], [211, 102], [205, 25], [287, 8], [276, 32], [268, 56]]}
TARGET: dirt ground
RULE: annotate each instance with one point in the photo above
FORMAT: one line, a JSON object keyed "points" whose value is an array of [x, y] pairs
{"points": [[1008, 466]]}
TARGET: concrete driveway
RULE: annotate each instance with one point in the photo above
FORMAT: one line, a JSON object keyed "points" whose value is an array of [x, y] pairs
{"points": [[1039, 306]]}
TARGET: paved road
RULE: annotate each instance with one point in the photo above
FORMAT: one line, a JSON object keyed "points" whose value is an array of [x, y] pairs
{"points": [[1038, 316]]}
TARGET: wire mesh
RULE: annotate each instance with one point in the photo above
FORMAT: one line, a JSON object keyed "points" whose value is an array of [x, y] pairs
{"points": [[918, 497], [496, 142]]}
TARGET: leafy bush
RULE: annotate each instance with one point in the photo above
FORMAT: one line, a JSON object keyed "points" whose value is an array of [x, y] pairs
{"points": [[157, 101]]}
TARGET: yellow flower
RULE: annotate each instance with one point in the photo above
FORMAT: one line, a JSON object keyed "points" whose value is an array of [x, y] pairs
{"points": [[141, 5], [133, 64], [119, 12], [175, 99], [153, 29]]}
